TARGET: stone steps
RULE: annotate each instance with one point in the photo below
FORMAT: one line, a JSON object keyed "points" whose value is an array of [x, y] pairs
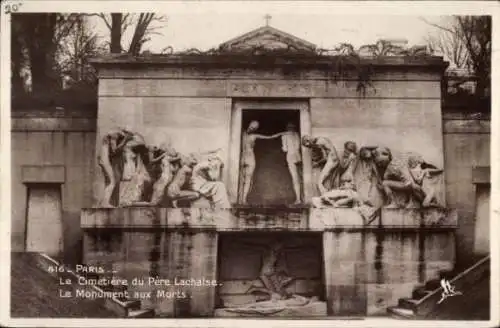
{"points": [[143, 313], [400, 313], [125, 308], [424, 297]]}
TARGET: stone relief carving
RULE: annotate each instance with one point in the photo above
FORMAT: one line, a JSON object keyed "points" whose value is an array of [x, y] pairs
{"points": [[248, 161], [178, 190], [335, 168], [145, 175], [134, 175], [371, 178], [111, 146], [272, 283], [367, 179], [269, 89], [403, 182], [205, 180], [291, 146], [169, 161]]}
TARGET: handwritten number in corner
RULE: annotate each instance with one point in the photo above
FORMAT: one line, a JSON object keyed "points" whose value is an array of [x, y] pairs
{"points": [[12, 8]]}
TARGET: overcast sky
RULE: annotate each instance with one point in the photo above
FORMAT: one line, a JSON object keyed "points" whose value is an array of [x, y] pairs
{"points": [[206, 30]]}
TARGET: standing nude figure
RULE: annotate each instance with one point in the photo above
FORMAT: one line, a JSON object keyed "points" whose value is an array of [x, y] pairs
{"points": [[291, 146], [112, 144], [329, 152], [248, 156]]}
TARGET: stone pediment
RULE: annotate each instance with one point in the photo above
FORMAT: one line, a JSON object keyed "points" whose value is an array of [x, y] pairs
{"points": [[267, 38]]}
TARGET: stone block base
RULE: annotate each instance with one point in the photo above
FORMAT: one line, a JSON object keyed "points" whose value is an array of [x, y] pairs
{"points": [[440, 218], [329, 218], [401, 217], [418, 218], [271, 219], [314, 309]]}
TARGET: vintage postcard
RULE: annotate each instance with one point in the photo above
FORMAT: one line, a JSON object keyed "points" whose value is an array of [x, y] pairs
{"points": [[216, 163]]}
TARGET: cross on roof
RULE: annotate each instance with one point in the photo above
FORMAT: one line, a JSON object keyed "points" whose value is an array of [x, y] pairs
{"points": [[267, 17]]}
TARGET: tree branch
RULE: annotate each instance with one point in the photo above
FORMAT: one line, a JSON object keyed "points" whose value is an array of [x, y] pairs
{"points": [[103, 17], [436, 25]]}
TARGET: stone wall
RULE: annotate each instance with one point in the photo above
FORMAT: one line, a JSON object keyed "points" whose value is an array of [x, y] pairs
{"points": [[44, 140], [358, 272], [467, 154], [52, 149], [191, 107], [365, 272]]}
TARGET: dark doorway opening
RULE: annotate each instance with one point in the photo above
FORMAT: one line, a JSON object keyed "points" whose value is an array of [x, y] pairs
{"points": [[241, 258], [272, 182]]}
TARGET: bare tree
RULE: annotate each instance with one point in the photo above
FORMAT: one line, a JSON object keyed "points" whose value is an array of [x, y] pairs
{"points": [[36, 42], [448, 41], [466, 42], [75, 51], [48, 49], [144, 28], [19, 58]]}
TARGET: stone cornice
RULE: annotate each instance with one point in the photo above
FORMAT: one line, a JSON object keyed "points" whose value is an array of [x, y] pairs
{"points": [[267, 60]]}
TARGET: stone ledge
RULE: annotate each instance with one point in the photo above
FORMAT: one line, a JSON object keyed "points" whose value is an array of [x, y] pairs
{"points": [[481, 175], [314, 309], [238, 60], [327, 218], [43, 174], [270, 219], [418, 218], [49, 124], [466, 126]]}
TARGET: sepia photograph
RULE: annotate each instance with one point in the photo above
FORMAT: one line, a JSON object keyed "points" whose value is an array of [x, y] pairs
{"points": [[243, 160]]}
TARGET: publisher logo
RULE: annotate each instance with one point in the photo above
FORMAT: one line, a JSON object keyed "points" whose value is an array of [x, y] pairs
{"points": [[448, 290]]}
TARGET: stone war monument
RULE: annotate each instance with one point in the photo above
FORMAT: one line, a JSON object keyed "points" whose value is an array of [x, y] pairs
{"points": [[275, 169]]}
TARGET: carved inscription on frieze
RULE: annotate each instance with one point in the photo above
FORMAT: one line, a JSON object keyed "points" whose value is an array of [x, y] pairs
{"points": [[269, 89]]}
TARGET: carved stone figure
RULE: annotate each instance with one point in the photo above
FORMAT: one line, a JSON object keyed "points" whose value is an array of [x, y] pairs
{"points": [[366, 178], [348, 162], [205, 180], [177, 190], [111, 149], [169, 161], [397, 180], [423, 174], [274, 279], [394, 177], [329, 157], [273, 282], [291, 146], [335, 168], [134, 173], [344, 196], [248, 157]]}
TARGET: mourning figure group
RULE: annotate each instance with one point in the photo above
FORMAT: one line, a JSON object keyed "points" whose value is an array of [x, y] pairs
{"points": [[371, 177], [366, 178], [137, 174]]}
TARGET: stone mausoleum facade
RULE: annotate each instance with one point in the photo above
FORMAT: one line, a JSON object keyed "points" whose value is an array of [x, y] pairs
{"points": [[329, 187]]}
